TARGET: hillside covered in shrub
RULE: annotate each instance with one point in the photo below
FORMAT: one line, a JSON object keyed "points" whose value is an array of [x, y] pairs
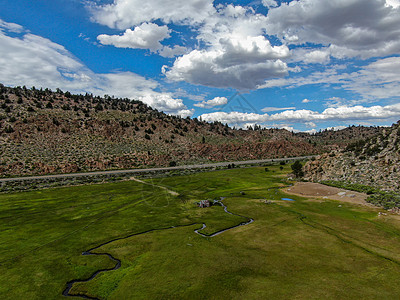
{"points": [[44, 131]]}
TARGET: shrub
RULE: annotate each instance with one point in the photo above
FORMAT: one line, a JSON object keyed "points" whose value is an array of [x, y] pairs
{"points": [[9, 129], [297, 169], [56, 122], [98, 107]]}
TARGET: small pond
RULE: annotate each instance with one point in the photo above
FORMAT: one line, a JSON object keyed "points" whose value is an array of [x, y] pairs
{"points": [[287, 199]]}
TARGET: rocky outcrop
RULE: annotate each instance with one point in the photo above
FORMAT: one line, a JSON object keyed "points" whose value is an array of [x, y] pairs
{"points": [[374, 161]]}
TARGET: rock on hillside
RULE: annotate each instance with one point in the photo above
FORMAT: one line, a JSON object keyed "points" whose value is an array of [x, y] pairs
{"points": [[374, 161]]}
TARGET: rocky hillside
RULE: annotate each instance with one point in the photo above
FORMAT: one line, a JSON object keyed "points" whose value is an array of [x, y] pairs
{"points": [[343, 137], [374, 161], [45, 132]]}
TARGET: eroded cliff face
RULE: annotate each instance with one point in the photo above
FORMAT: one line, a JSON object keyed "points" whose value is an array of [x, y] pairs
{"points": [[374, 161]]}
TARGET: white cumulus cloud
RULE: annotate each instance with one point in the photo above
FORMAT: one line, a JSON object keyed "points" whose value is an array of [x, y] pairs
{"points": [[145, 36], [123, 14], [238, 62], [235, 52], [167, 104], [363, 28], [308, 117], [316, 56], [217, 101], [393, 3], [269, 3]]}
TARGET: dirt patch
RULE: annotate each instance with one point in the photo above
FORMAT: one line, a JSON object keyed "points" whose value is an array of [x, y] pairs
{"points": [[320, 191]]}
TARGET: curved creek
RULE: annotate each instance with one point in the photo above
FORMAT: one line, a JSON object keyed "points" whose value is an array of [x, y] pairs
{"points": [[70, 284]]}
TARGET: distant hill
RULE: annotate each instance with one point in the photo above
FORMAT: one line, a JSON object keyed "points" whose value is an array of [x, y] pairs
{"points": [[373, 161], [44, 132]]}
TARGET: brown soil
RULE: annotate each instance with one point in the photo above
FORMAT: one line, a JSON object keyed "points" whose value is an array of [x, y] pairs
{"points": [[320, 191]]}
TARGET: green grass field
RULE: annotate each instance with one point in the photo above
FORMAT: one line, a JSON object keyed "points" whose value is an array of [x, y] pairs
{"points": [[303, 249]]}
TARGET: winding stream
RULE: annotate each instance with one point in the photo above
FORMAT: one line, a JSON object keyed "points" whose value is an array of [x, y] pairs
{"points": [[70, 284], [250, 220]]}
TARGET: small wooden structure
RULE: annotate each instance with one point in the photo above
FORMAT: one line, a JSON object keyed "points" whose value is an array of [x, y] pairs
{"points": [[204, 203]]}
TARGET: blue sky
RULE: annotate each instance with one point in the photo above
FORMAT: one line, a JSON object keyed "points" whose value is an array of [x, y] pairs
{"points": [[302, 65]]}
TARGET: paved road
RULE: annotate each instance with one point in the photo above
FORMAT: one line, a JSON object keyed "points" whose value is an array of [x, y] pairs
{"points": [[133, 171]]}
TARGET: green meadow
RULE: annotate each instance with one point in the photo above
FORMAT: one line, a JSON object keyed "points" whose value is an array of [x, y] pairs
{"points": [[305, 249]]}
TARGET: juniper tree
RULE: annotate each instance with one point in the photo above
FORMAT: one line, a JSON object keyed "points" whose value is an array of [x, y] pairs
{"points": [[297, 168]]}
